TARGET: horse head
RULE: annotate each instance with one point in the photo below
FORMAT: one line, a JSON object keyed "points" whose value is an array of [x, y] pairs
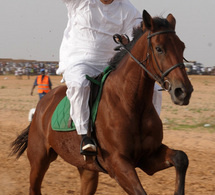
{"points": [[164, 59]]}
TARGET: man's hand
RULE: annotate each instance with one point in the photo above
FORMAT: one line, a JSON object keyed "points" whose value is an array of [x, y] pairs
{"points": [[125, 39]]}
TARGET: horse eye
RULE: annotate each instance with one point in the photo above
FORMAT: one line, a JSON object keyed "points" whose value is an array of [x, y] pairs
{"points": [[159, 50]]}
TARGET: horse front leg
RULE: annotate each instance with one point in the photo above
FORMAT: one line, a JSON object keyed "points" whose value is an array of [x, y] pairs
{"points": [[125, 174], [89, 181], [165, 158]]}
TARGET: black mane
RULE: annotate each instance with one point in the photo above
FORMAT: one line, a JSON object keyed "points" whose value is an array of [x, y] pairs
{"points": [[161, 23], [137, 33]]}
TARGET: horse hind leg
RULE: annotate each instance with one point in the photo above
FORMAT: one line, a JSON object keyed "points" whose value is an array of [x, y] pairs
{"points": [[165, 158], [39, 160], [89, 181]]}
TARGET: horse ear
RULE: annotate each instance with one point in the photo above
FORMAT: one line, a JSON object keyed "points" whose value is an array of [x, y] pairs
{"points": [[170, 18], [147, 20]]}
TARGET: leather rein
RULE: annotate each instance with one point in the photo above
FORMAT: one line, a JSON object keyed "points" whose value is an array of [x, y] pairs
{"points": [[160, 79]]}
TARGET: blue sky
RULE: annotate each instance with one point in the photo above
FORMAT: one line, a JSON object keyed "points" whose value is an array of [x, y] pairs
{"points": [[33, 29]]}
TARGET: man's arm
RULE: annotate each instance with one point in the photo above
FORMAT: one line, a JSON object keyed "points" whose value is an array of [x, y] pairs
{"points": [[32, 89], [34, 85], [50, 83]]}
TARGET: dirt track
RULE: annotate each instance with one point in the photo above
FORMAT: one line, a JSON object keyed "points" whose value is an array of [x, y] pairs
{"points": [[191, 129]]}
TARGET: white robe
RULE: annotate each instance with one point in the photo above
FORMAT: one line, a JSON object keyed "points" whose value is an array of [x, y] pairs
{"points": [[88, 38]]}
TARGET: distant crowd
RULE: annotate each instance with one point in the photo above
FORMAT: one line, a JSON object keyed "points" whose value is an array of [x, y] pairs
{"points": [[27, 68], [195, 68], [33, 68]]}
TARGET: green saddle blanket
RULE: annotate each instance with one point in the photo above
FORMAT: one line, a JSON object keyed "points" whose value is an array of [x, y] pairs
{"points": [[61, 114]]}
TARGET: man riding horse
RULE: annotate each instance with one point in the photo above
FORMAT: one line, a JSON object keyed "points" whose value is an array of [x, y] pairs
{"points": [[87, 47]]}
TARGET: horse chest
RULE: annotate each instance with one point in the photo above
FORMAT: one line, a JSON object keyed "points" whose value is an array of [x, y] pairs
{"points": [[151, 134]]}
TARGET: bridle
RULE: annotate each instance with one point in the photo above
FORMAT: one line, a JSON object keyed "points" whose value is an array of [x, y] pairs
{"points": [[165, 84]]}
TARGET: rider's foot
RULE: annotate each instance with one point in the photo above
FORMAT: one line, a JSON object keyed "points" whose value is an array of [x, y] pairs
{"points": [[88, 145]]}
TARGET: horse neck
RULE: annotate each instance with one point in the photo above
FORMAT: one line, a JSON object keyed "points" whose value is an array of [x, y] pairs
{"points": [[136, 88]]}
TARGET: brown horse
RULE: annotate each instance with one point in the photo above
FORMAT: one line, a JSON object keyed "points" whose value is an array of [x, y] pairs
{"points": [[129, 131]]}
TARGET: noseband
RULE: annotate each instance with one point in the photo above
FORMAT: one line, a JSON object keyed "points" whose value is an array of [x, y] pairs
{"points": [[165, 84]]}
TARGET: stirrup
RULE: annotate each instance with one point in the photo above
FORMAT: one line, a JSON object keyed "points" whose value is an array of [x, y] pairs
{"points": [[88, 153]]}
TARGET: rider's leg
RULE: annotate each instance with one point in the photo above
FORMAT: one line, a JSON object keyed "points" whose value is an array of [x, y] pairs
{"points": [[78, 94], [157, 98]]}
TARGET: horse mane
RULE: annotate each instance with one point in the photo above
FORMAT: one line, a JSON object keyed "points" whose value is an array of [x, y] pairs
{"points": [[159, 22], [137, 33]]}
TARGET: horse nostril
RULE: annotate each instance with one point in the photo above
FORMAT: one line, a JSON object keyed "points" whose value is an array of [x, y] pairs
{"points": [[179, 93]]}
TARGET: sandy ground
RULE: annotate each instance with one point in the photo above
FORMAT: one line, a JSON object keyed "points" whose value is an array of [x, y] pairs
{"points": [[190, 128]]}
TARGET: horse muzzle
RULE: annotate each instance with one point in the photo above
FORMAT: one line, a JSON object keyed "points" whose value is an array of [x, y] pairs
{"points": [[181, 95]]}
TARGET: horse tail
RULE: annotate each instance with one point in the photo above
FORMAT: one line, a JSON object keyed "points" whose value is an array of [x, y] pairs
{"points": [[20, 144]]}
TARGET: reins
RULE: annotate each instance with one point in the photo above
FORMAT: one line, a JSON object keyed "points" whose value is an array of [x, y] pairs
{"points": [[117, 38]]}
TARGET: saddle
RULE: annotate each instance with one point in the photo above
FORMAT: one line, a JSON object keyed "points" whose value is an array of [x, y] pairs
{"points": [[61, 120]]}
